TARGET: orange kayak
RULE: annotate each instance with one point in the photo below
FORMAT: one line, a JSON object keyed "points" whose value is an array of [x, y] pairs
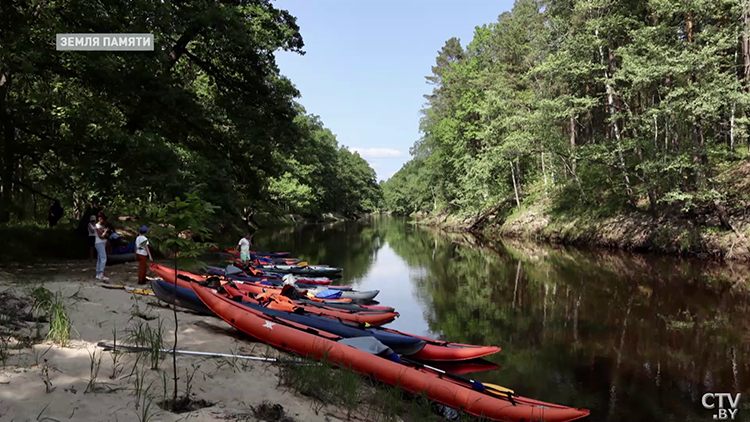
{"points": [[246, 286], [450, 391], [362, 317]]}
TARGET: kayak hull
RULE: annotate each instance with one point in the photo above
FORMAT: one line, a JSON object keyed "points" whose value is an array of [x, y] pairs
{"points": [[185, 297], [119, 258], [375, 317], [449, 392]]}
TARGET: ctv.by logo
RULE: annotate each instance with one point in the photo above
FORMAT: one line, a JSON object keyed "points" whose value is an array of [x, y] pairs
{"points": [[722, 413]]}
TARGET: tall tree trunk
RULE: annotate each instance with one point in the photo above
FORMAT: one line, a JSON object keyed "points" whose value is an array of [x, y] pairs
{"points": [[9, 144], [515, 186], [518, 277], [734, 110], [572, 143], [649, 186], [746, 42], [615, 125], [697, 162], [646, 179], [746, 50], [544, 172], [519, 176]]}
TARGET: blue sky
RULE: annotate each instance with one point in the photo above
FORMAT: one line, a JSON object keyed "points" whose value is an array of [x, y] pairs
{"points": [[365, 63]]}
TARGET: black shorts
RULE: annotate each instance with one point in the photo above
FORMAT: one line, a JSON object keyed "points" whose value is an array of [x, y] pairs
{"points": [[92, 240]]}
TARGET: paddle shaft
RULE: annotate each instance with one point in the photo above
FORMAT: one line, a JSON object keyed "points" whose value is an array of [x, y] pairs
{"points": [[496, 388], [110, 347]]}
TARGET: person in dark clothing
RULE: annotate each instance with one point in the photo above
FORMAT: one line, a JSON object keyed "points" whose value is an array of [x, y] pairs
{"points": [[55, 213]]}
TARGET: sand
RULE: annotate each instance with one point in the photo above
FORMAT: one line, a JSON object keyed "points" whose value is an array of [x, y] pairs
{"points": [[232, 387]]}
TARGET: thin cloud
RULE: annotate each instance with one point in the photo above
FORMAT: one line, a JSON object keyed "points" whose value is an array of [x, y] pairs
{"points": [[378, 152], [376, 165]]}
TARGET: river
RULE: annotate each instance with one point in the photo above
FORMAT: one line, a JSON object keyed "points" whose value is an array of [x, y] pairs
{"points": [[631, 337]]}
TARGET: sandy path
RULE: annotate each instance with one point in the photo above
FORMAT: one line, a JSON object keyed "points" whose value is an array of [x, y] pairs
{"points": [[232, 386]]}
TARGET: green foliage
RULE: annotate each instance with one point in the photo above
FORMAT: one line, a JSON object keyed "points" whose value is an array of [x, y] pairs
{"points": [[594, 105], [208, 110], [59, 322], [178, 223]]}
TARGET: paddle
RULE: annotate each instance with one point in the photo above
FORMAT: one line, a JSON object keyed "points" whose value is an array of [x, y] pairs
{"points": [[111, 347], [146, 292], [496, 389]]}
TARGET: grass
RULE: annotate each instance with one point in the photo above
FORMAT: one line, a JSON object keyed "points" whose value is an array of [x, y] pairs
{"points": [[144, 407], [48, 387], [95, 362], [115, 355], [363, 398], [59, 322], [143, 335]]}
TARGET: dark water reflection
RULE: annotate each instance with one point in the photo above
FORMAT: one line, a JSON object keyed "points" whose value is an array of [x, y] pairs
{"points": [[633, 338]]}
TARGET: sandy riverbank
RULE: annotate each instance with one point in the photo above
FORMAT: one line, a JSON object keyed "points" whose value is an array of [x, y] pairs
{"points": [[231, 387]]}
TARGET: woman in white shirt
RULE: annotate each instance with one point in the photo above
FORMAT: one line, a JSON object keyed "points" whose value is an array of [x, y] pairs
{"points": [[92, 236], [101, 246]]}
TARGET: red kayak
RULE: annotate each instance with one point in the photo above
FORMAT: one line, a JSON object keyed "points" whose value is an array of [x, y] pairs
{"points": [[375, 317], [449, 390], [432, 350]]}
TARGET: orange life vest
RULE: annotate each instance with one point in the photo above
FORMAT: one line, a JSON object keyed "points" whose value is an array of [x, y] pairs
{"points": [[276, 301]]}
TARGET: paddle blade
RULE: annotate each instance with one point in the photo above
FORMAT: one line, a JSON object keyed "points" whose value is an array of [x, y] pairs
{"points": [[499, 388]]}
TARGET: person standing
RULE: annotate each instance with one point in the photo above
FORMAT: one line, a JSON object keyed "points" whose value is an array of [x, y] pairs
{"points": [[143, 253], [244, 246], [55, 213], [101, 246], [92, 236]]}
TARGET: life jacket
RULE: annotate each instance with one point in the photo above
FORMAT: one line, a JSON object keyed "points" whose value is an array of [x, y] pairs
{"points": [[276, 301]]}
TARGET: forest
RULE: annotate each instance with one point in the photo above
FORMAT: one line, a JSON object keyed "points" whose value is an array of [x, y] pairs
{"points": [[589, 107], [207, 112]]}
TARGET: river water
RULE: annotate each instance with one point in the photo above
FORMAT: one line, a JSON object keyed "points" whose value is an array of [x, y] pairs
{"points": [[631, 337]]}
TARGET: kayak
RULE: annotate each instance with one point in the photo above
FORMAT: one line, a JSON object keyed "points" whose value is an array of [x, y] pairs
{"points": [[306, 281], [447, 389], [317, 270], [119, 258], [422, 348], [187, 299], [467, 367], [168, 274], [260, 253], [325, 292], [263, 259], [347, 292]]}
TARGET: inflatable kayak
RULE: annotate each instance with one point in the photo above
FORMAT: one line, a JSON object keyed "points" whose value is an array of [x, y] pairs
{"points": [[447, 389], [119, 258], [422, 348], [306, 270], [187, 299], [168, 274], [322, 292], [262, 259], [301, 281]]}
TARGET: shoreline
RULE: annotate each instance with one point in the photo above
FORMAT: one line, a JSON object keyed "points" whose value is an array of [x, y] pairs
{"points": [[40, 379], [635, 232]]}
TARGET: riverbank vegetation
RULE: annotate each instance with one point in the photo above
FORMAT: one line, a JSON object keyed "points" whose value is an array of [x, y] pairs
{"points": [[207, 112], [575, 117]]}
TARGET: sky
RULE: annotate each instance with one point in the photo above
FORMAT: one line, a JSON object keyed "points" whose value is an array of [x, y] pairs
{"points": [[365, 65]]}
